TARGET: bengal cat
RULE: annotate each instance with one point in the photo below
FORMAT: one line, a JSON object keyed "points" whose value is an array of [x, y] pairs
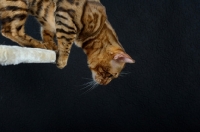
{"points": [[83, 22]]}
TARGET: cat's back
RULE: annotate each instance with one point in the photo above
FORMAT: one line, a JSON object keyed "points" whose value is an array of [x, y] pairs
{"points": [[16, 3], [23, 4], [29, 4]]}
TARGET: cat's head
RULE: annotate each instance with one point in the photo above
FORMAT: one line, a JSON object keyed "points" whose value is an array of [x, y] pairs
{"points": [[106, 56]]}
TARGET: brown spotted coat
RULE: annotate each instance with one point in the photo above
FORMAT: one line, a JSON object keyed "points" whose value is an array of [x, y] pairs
{"points": [[83, 22]]}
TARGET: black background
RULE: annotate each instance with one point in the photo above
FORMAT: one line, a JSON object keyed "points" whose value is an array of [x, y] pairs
{"points": [[161, 93]]}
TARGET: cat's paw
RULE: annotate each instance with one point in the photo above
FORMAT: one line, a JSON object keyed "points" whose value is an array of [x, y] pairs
{"points": [[61, 61]]}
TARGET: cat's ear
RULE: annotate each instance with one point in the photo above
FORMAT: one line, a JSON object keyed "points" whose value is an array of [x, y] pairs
{"points": [[123, 57], [93, 20]]}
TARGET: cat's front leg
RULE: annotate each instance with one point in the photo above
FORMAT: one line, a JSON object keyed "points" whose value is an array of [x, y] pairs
{"points": [[64, 47], [66, 32], [65, 39]]}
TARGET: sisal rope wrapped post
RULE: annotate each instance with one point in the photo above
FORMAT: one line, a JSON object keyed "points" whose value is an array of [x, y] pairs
{"points": [[13, 55]]}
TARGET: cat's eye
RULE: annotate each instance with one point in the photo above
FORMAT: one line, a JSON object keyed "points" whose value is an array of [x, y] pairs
{"points": [[113, 75], [110, 75]]}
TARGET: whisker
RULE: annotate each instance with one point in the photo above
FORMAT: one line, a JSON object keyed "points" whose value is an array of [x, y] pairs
{"points": [[88, 84], [87, 78], [122, 74], [93, 86], [125, 73]]}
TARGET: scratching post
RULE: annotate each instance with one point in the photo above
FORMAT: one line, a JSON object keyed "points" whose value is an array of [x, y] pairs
{"points": [[13, 55]]}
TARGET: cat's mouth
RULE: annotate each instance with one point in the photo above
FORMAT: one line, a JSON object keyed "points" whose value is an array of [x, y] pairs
{"points": [[100, 80]]}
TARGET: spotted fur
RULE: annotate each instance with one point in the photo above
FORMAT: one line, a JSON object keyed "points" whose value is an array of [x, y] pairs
{"points": [[83, 22]]}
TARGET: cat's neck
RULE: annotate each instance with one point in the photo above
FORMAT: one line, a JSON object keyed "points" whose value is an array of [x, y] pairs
{"points": [[106, 39]]}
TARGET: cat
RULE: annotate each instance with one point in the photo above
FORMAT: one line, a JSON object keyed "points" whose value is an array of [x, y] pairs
{"points": [[83, 22]]}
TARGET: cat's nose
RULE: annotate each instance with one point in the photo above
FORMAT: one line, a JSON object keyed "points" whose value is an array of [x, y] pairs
{"points": [[99, 81]]}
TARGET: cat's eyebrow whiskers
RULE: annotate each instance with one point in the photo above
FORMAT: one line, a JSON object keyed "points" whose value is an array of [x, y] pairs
{"points": [[88, 79], [122, 74]]}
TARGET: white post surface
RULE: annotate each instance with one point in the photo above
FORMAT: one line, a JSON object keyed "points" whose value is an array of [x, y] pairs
{"points": [[13, 55]]}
